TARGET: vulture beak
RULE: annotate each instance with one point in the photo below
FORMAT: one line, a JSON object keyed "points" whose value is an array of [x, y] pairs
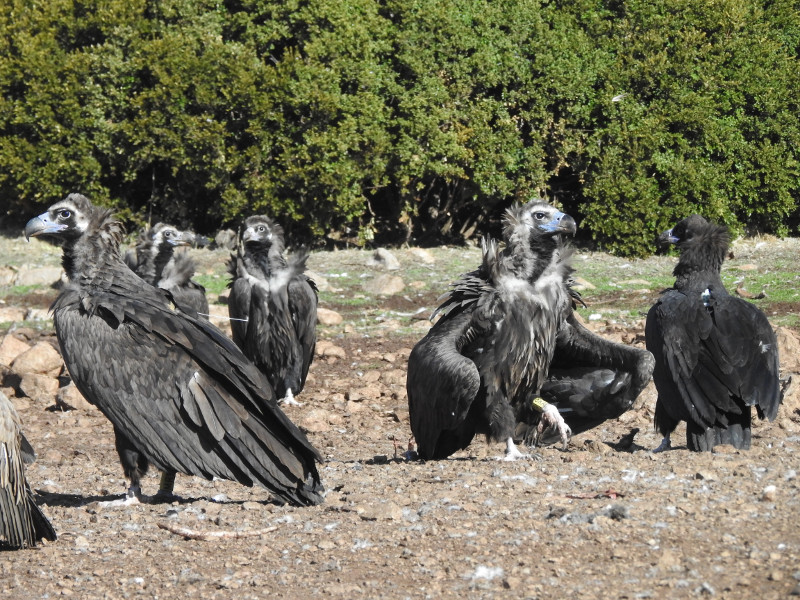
{"points": [[180, 239], [667, 238], [42, 225], [561, 223], [250, 235]]}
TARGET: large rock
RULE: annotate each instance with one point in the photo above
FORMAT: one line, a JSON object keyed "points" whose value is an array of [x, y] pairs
{"points": [[226, 238], [385, 285], [69, 398], [326, 316], [788, 350], [384, 259], [423, 256], [11, 348], [41, 359], [38, 275], [40, 388]]}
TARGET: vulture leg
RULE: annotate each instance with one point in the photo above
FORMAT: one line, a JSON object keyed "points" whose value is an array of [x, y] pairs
{"points": [[552, 420], [665, 444], [289, 400], [166, 487], [134, 465], [512, 452]]}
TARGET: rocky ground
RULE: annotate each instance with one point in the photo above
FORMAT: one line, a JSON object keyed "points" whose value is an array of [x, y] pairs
{"points": [[594, 521]]}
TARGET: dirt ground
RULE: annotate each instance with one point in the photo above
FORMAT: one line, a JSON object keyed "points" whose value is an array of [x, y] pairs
{"points": [[590, 522]]}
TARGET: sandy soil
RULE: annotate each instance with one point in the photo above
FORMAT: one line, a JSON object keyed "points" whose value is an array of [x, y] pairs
{"points": [[591, 522]]}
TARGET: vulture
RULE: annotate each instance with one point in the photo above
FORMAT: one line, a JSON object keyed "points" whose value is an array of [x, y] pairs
{"points": [[22, 522], [273, 306], [716, 355], [180, 395], [508, 358], [154, 259]]}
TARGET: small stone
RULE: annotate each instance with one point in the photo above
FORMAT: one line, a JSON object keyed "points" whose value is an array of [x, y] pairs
{"points": [[769, 494], [328, 317]]}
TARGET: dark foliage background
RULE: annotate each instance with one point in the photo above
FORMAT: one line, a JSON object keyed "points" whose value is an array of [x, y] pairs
{"points": [[389, 121]]}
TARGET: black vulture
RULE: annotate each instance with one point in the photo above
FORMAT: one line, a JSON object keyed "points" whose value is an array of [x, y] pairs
{"points": [[154, 259], [273, 306], [22, 522], [508, 355], [487, 357], [180, 394], [716, 355]]}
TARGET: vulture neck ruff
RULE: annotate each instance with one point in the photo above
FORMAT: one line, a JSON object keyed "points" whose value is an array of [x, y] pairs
{"points": [[702, 255], [87, 258]]}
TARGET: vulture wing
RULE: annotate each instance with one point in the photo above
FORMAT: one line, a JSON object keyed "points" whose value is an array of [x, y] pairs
{"points": [[442, 385], [22, 523], [182, 392], [713, 360]]}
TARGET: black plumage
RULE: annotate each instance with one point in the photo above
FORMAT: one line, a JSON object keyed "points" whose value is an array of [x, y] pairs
{"points": [[273, 306], [22, 522], [180, 394], [716, 355], [155, 260], [507, 335], [480, 366]]}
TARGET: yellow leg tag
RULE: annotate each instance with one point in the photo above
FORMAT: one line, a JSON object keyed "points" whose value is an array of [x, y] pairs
{"points": [[539, 404]]}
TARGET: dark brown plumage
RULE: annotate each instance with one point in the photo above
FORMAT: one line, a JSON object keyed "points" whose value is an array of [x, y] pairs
{"points": [[507, 335], [155, 260], [273, 306], [22, 522], [483, 362], [716, 355], [179, 393]]}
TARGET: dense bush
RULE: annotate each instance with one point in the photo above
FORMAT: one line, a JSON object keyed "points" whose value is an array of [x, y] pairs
{"points": [[405, 120]]}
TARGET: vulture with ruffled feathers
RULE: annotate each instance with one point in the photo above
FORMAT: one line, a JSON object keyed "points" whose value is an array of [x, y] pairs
{"points": [[716, 355], [154, 259], [180, 394], [22, 522], [508, 358], [273, 306]]}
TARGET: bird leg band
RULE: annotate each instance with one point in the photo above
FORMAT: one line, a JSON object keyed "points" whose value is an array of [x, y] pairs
{"points": [[167, 483], [540, 404]]}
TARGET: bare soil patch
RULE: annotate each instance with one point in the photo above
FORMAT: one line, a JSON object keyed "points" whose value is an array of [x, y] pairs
{"points": [[590, 522]]}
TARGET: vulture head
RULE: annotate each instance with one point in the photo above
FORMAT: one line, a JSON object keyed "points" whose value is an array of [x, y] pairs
{"points": [[162, 234], [66, 221], [537, 223], [701, 244], [261, 236]]}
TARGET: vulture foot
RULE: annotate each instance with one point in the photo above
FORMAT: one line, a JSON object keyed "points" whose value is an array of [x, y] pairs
{"points": [[289, 400], [513, 453], [132, 497], [552, 421], [664, 445]]}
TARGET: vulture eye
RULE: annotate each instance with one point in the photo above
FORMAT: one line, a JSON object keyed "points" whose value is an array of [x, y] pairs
{"points": [[261, 228], [167, 233], [539, 215], [64, 214]]}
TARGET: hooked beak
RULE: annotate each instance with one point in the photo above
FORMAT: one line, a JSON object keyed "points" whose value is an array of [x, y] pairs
{"points": [[42, 225], [561, 223], [181, 239], [251, 235], [668, 238]]}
